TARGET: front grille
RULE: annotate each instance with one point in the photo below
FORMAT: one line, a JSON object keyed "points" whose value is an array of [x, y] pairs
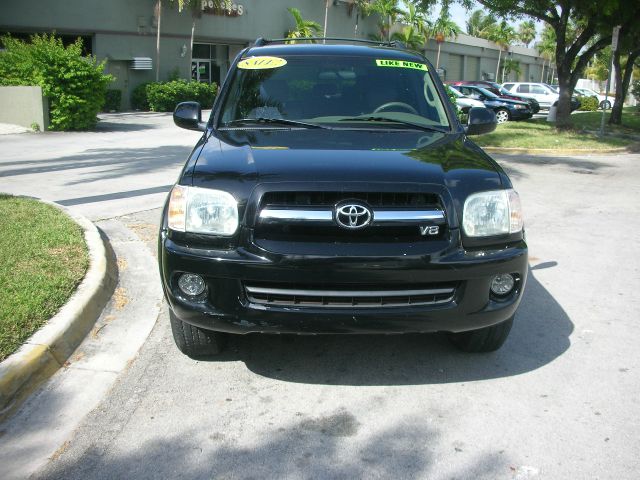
{"points": [[351, 296], [375, 199], [308, 217]]}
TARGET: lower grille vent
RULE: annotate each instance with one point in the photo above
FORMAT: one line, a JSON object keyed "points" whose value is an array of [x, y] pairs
{"points": [[349, 296]]}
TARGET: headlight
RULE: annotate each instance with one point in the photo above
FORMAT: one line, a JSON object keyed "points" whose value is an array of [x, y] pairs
{"points": [[202, 210], [497, 212], [520, 107]]}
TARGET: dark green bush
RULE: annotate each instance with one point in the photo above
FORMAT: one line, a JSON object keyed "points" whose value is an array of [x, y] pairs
{"points": [[112, 100], [164, 96], [635, 91], [589, 104], [74, 84], [139, 99]]}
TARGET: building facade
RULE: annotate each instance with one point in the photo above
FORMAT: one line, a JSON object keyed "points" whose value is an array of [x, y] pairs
{"points": [[123, 32]]}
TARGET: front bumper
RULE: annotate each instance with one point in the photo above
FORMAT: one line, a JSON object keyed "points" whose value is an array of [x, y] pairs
{"points": [[226, 307]]}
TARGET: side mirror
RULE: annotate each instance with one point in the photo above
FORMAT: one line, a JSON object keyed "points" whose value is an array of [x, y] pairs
{"points": [[481, 120], [189, 115]]}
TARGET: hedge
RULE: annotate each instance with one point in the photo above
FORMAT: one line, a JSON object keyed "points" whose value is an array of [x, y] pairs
{"points": [[74, 84], [589, 104], [112, 100], [164, 96]]}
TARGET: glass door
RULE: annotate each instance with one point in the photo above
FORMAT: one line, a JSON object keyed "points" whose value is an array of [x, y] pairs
{"points": [[201, 71]]}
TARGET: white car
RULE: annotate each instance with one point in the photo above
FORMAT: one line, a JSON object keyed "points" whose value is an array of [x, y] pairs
{"points": [[544, 94], [463, 102], [602, 100]]}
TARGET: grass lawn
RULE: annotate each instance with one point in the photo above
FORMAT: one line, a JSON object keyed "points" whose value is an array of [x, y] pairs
{"points": [[539, 133], [44, 258]]}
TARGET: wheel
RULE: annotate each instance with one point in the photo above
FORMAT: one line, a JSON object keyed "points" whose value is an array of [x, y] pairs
{"points": [[502, 115], [194, 341], [402, 105], [486, 339], [605, 104]]}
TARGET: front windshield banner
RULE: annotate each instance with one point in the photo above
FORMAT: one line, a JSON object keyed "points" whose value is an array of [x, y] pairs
{"points": [[401, 64]]}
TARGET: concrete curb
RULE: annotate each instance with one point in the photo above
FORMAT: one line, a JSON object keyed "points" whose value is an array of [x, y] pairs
{"points": [[553, 151], [49, 348]]}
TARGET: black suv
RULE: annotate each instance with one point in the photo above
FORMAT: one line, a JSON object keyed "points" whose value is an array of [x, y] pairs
{"points": [[334, 191]]}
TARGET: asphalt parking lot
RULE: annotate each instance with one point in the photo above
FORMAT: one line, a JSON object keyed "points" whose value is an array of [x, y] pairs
{"points": [[560, 400]]}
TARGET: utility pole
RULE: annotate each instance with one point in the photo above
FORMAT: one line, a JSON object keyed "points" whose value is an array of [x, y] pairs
{"points": [[326, 15]]}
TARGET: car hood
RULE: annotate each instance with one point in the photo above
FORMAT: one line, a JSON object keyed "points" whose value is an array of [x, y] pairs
{"points": [[238, 159]]}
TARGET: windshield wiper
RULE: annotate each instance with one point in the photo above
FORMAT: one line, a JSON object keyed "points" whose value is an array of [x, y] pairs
{"points": [[282, 121], [374, 118]]}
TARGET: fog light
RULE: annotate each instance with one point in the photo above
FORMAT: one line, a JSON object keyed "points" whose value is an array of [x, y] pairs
{"points": [[502, 284], [191, 284]]}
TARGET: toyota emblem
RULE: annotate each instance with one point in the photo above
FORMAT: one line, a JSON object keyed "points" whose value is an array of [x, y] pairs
{"points": [[353, 215]]}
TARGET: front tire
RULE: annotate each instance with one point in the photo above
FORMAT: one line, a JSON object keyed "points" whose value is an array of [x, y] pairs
{"points": [[488, 339], [193, 341], [502, 115]]}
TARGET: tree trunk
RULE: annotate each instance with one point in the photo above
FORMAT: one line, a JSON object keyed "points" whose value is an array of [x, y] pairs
{"points": [[438, 57], [159, 6], [542, 73], [355, 33], [622, 85], [326, 15], [193, 28], [498, 67], [563, 115]]}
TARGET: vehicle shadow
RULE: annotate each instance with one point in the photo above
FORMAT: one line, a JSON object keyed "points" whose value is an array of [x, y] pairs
{"points": [[540, 335]]}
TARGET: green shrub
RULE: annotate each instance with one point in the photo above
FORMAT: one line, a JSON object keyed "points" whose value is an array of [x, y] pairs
{"points": [[112, 100], [589, 104], [164, 96], [74, 84], [139, 99]]}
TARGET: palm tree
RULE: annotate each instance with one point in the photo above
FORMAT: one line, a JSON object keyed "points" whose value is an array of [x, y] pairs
{"points": [[480, 24], [502, 35], [195, 6], [511, 65], [388, 11], [410, 37], [362, 9], [527, 32], [442, 29], [547, 47], [304, 28]]}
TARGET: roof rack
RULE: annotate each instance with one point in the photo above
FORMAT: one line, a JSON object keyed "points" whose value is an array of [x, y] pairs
{"points": [[260, 42]]}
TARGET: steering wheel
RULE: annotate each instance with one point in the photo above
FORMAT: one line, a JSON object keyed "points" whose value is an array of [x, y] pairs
{"points": [[403, 105]]}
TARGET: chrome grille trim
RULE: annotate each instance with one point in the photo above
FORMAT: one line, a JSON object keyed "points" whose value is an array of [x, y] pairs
{"points": [[348, 298], [380, 217]]}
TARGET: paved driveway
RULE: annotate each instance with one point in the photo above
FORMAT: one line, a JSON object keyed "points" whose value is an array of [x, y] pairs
{"points": [[560, 400], [126, 165]]}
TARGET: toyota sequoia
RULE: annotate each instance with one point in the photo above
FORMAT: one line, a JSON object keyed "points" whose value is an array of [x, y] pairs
{"points": [[334, 190]]}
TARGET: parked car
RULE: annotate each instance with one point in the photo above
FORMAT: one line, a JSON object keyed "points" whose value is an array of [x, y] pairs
{"points": [[334, 190], [465, 103], [505, 108], [603, 102], [498, 90], [543, 93]]}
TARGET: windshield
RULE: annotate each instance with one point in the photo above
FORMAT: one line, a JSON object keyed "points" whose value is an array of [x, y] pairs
{"points": [[486, 92], [329, 89]]}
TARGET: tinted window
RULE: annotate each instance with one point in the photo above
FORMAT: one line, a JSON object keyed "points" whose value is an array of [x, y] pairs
{"points": [[523, 88], [329, 88], [537, 89], [508, 86]]}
